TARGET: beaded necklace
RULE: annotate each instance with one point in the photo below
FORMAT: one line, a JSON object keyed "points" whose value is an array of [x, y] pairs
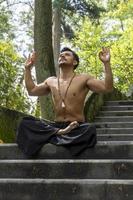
{"points": [[63, 104]]}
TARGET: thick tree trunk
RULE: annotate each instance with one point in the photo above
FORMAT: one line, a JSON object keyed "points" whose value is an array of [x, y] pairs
{"points": [[44, 50], [56, 35]]}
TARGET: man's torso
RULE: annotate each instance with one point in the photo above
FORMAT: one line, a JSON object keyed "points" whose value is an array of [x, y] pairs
{"points": [[74, 99]]}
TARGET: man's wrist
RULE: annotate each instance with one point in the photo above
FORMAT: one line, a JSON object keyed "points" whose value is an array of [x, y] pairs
{"points": [[28, 68], [106, 62]]}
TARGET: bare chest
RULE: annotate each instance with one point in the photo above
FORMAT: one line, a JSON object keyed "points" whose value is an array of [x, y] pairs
{"points": [[68, 90]]}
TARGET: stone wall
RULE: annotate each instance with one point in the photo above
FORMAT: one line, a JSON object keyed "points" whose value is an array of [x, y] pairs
{"points": [[9, 120], [96, 101], [93, 105]]}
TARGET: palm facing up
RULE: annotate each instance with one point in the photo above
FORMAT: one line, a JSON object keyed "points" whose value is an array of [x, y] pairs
{"points": [[104, 55]]}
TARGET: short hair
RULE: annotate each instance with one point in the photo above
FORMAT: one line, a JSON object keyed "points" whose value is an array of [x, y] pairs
{"points": [[74, 54]]}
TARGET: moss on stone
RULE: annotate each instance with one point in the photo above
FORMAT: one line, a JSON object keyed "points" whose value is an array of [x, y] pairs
{"points": [[93, 105], [9, 120], [96, 101]]}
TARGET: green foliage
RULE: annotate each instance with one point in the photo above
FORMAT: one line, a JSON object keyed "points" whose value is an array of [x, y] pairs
{"points": [[89, 41], [120, 9], [121, 13], [122, 60], [82, 7], [5, 26], [11, 92], [74, 11]]}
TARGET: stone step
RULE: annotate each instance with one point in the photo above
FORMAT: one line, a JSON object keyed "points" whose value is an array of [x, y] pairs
{"points": [[115, 137], [115, 131], [58, 189], [104, 172], [114, 124], [117, 108], [114, 119], [70, 169], [118, 103], [116, 113], [103, 150]]}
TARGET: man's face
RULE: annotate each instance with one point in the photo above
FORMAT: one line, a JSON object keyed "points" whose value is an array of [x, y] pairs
{"points": [[66, 58]]}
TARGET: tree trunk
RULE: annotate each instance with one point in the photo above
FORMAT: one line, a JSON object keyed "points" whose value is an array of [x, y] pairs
{"points": [[56, 35], [44, 50]]}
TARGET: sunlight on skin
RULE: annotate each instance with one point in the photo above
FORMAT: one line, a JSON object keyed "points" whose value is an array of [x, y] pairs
{"points": [[70, 127]]}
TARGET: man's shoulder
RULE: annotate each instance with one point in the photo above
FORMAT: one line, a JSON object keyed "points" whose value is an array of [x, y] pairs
{"points": [[84, 76], [51, 78]]}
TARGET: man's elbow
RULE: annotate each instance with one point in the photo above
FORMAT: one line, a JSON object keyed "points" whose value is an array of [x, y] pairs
{"points": [[109, 89], [31, 93]]}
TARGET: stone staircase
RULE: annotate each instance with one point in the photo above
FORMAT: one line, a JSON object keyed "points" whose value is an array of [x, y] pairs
{"points": [[102, 173]]}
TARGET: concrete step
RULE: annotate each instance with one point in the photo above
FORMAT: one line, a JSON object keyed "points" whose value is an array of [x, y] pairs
{"points": [[117, 108], [115, 131], [70, 169], [116, 113], [114, 119], [118, 103], [103, 150], [104, 172], [58, 189], [115, 137], [114, 124]]}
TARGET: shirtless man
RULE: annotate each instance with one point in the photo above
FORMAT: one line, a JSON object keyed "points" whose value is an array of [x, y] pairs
{"points": [[69, 89]]}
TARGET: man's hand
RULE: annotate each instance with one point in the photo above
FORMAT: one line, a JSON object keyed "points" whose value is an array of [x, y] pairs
{"points": [[104, 55], [30, 61]]}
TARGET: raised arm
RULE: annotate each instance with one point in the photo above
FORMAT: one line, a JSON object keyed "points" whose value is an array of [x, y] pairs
{"points": [[32, 88], [105, 85]]}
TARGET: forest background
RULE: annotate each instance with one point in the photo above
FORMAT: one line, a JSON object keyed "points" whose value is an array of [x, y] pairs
{"points": [[84, 25]]}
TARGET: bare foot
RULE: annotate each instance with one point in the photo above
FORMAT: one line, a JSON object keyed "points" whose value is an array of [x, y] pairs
{"points": [[1, 142], [71, 126]]}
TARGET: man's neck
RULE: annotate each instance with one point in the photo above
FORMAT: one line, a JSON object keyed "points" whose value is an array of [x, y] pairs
{"points": [[66, 73]]}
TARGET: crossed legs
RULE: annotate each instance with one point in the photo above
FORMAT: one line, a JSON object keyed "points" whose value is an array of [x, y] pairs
{"points": [[71, 126]]}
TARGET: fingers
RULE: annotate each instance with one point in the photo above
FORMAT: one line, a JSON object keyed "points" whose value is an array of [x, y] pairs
{"points": [[100, 53], [104, 54], [33, 55], [30, 56], [30, 60], [105, 49]]}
